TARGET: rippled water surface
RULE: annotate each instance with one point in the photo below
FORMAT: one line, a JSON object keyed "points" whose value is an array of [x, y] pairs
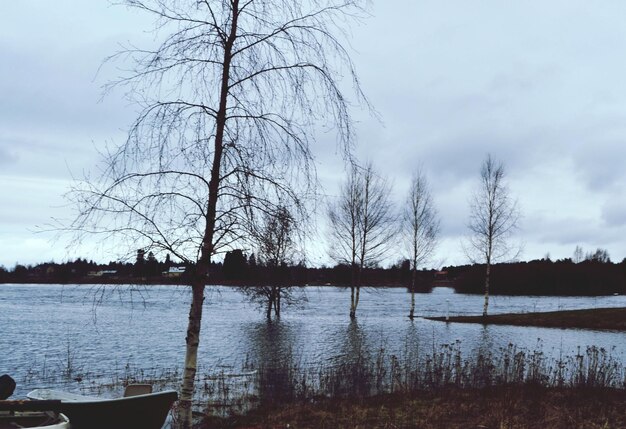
{"points": [[106, 329]]}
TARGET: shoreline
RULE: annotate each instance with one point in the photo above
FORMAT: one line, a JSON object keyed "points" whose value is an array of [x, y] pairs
{"points": [[612, 319]]}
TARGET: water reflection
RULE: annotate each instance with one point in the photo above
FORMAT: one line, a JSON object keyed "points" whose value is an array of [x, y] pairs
{"points": [[485, 343], [411, 342], [270, 341], [353, 344], [271, 344], [348, 372]]}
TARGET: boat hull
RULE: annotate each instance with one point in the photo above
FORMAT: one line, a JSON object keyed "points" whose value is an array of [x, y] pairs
{"points": [[141, 411]]}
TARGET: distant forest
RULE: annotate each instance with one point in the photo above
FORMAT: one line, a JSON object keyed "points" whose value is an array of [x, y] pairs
{"points": [[592, 276]]}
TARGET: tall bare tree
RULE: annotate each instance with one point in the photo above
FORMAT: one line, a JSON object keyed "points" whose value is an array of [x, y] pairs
{"points": [[229, 97], [362, 225], [420, 228], [494, 216]]}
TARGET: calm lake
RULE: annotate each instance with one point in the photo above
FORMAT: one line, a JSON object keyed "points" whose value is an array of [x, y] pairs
{"points": [[107, 330]]}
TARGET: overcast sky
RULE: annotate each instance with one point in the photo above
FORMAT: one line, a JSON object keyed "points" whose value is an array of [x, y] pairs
{"points": [[541, 85]]}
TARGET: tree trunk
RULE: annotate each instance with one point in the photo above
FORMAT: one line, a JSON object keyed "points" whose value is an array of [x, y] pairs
{"points": [[270, 304], [356, 292], [486, 305], [185, 417], [412, 312], [352, 304], [353, 281], [191, 355], [277, 303]]}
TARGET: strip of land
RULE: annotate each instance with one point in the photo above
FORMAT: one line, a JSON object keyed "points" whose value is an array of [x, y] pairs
{"points": [[613, 319]]}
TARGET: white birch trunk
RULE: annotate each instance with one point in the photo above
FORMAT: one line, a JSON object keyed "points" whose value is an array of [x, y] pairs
{"points": [[191, 357]]}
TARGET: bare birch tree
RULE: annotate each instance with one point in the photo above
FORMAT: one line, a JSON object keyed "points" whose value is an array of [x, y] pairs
{"points": [[420, 228], [362, 225], [229, 98], [494, 217]]}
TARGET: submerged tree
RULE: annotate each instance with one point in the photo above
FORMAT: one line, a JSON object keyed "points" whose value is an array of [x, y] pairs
{"points": [[362, 225], [276, 247], [493, 218], [420, 228], [229, 98]]}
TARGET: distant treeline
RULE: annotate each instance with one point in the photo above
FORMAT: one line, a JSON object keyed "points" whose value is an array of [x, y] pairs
{"points": [[543, 277], [237, 269], [539, 277]]}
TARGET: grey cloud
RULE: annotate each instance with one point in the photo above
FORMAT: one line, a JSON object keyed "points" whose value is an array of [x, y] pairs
{"points": [[600, 163], [572, 231], [614, 213], [55, 92], [7, 157], [28, 156], [565, 231]]}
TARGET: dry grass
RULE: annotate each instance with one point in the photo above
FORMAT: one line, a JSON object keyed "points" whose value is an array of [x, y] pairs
{"points": [[505, 407]]}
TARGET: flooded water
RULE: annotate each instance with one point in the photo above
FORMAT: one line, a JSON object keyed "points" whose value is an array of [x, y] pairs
{"points": [[109, 330]]}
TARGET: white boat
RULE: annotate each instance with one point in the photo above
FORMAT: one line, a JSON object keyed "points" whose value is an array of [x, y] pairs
{"points": [[12, 419]]}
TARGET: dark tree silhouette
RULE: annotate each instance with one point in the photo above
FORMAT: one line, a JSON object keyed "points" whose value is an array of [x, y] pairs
{"points": [[235, 265], [600, 255]]}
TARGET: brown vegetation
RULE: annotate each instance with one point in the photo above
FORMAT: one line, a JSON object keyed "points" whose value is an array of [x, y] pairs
{"points": [[501, 407], [597, 318]]}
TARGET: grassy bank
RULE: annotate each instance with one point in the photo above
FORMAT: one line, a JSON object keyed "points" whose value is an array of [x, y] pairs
{"points": [[500, 407], [509, 388], [597, 318], [424, 386]]}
